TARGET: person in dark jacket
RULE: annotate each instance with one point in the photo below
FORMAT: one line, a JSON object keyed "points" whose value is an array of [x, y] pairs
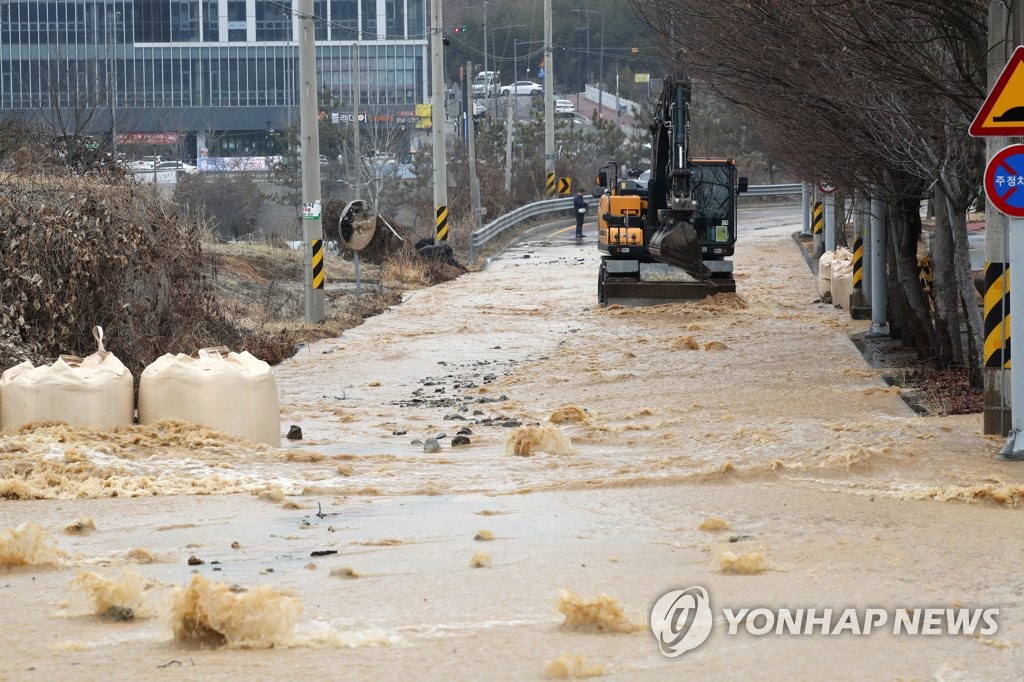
{"points": [[579, 207]]}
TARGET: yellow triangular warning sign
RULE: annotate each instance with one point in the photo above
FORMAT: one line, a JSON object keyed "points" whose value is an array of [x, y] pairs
{"points": [[1002, 114]]}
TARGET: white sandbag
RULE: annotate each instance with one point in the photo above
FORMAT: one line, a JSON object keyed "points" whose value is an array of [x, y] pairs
{"points": [[95, 391], [842, 287], [231, 392], [825, 273]]}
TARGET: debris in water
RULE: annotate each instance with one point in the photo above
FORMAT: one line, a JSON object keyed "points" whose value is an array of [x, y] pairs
{"points": [[208, 613], [431, 445], [480, 560], [569, 667], [483, 535], [713, 524], [569, 414], [345, 572], [274, 494], [235, 544], [527, 440], [602, 614], [323, 552], [344, 469], [294, 432], [27, 545], [80, 526], [141, 556], [117, 598], [460, 440], [748, 563], [195, 561], [489, 512], [685, 343], [715, 345]]}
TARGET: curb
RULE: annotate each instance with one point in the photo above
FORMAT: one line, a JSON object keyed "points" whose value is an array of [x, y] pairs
{"points": [[812, 264]]}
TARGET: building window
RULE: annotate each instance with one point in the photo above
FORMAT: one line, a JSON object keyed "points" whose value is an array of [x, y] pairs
{"points": [[417, 19], [273, 22], [345, 19], [369, 19], [152, 22], [236, 21], [395, 26], [184, 21], [211, 30]]}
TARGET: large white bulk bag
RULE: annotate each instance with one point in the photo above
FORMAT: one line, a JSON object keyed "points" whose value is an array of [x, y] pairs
{"points": [[231, 392], [95, 391], [825, 273], [842, 288]]}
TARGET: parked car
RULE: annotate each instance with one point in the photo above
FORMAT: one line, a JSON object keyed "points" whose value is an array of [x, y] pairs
{"points": [[564, 107], [176, 166], [522, 88], [145, 163], [478, 109]]}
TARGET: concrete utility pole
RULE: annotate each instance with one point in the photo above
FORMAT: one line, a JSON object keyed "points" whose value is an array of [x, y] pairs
{"points": [[830, 222], [474, 179], [879, 322], [549, 95], [996, 416], [309, 133], [357, 154], [509, 112], [437, 122]]}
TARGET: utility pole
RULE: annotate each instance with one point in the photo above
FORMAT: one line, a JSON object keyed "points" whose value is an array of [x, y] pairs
{"points": [[996, 419], [487, 85], [437, 122], [549, 95], [509, 109], [474, 179], [357, 158], [309, 133]]}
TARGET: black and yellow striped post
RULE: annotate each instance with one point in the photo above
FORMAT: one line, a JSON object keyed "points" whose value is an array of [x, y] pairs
{"points": [[441, 224], [817, 227], [318, 263], [997, 315], [858, 264], [550, 185]]}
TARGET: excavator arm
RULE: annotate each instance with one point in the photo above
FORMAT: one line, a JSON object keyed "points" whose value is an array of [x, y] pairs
{"points": [[672, 236]]}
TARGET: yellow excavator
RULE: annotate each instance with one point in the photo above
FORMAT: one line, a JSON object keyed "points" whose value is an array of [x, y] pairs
{"points": [[668, 234]]}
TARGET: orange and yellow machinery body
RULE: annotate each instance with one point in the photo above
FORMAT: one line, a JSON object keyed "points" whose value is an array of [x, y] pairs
{"points": [[621, 217]]}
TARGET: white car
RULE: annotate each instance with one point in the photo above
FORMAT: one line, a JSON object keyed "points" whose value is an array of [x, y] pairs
{"points": [[176, 166], [522, 88], [564, 107], [478, 109]]}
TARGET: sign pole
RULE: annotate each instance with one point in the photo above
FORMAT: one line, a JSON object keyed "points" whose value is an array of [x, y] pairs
{"points": [[1004, 188]]}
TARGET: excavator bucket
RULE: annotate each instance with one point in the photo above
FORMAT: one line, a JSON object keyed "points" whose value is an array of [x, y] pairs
{"points": [[676, 243]]}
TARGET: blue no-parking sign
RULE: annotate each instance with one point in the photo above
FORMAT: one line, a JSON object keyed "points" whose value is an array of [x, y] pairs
{"points": [[1004, 180]]}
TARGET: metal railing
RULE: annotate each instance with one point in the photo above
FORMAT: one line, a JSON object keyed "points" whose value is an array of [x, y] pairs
{"points": [[773, 190], [513, 219]]}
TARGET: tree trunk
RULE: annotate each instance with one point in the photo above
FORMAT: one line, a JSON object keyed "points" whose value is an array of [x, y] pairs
{"points": [[944, 287], [965, 283], [905, 222]]}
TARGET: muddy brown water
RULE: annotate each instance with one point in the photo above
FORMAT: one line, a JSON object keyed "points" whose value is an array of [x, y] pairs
{"points": [[601, 440]]}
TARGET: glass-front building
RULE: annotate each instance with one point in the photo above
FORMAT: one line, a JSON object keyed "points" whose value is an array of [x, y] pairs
{"points": [[203, 68]]}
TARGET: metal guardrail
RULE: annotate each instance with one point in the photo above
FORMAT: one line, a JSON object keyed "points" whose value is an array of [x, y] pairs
{"points": [[512, 219], [773, 190], [496, 227]]}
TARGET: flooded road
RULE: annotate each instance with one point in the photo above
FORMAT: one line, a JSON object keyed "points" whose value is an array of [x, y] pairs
{"points": [[600, 442]]}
